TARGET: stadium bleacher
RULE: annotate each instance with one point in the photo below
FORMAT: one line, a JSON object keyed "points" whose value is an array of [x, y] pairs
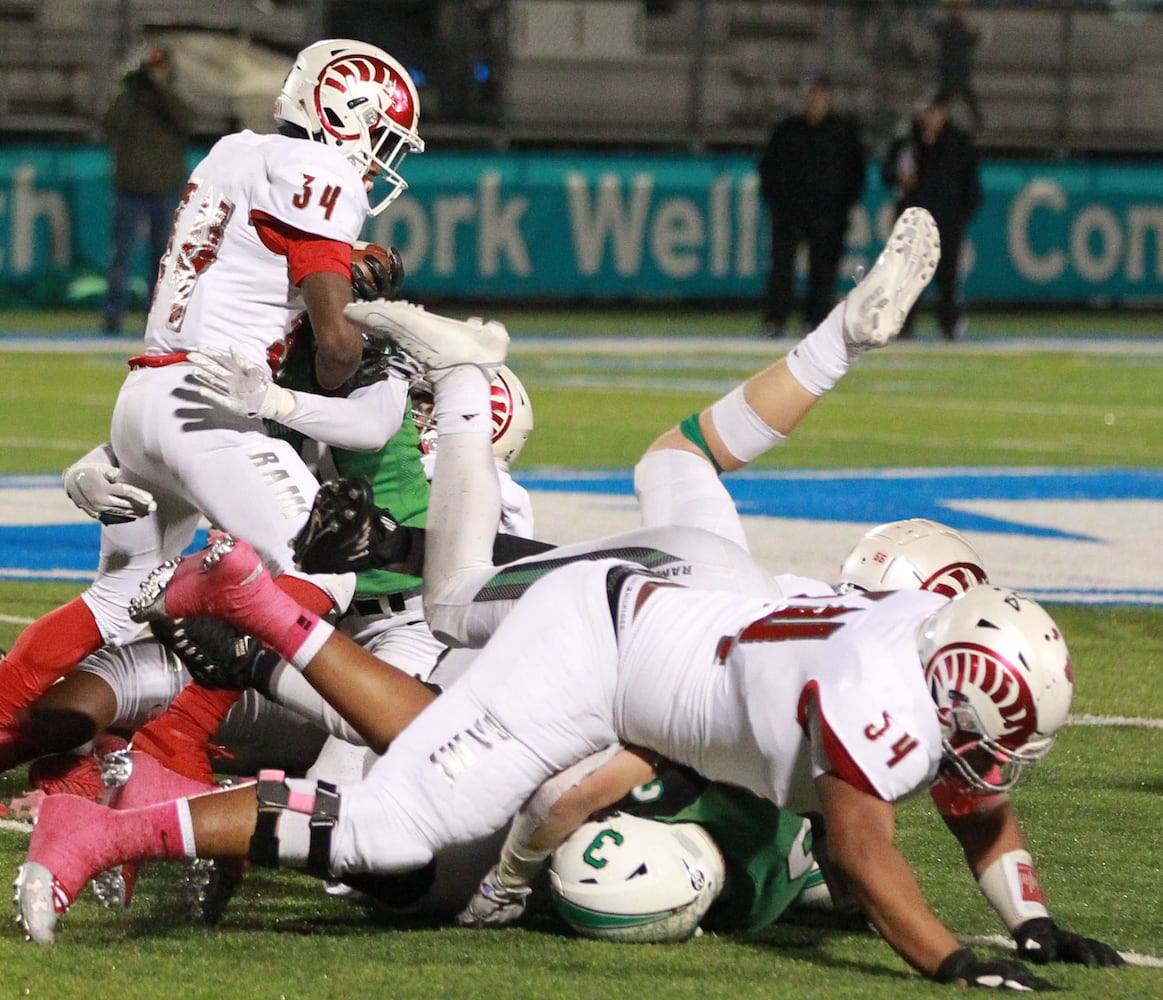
{"points": [[1059, 77]]}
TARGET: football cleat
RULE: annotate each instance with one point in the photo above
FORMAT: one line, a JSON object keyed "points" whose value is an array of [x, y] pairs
{"points": [[436, 342], [223, 578], [209, 885], [113, 888], [876, 309], [60, 861], [39, 900], [149, 603]]}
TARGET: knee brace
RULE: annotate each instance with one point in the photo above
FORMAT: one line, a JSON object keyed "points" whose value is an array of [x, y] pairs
{"points": [[278, 838]]}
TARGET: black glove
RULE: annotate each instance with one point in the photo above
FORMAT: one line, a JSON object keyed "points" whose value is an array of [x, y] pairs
{"points": [[348, 533], [217, 655], [990, 974], [377, 275], [1042, 941]]}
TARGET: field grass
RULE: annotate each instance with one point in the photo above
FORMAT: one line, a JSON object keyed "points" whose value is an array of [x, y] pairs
{"points": [[1092, 811]]}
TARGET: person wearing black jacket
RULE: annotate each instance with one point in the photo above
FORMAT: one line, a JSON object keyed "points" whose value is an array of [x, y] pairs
{"points": [[933, 163], [147, 127], [811, 173]]}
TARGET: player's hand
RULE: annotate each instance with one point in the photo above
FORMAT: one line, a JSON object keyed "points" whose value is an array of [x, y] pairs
{"points": [[376, 273], [217, 655], [964, 967], [96, 488], [1042, 941], [494, 904], [346, 532], [227, 379]]}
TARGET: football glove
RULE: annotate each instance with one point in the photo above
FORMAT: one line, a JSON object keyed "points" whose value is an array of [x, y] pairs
{"points": [[991, 974], [216, 654], [227, 379], [1042, 941], [376, 273], [348, 533], [494, 904], [96, 488]]}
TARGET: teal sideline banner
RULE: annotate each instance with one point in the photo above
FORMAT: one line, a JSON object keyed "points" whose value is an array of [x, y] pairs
{"points": [[591, 226]]}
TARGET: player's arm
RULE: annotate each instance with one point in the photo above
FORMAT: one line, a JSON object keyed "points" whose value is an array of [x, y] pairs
{"points": [[553, 812], [861, 830], [339, 342], [996, 852], [321, 269]]}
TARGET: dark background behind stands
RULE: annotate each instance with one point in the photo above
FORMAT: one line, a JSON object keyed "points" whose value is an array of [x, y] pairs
{"points": [[1056, 79]]}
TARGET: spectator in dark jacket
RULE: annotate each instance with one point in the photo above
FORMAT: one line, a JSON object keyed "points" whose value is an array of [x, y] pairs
{"points": [[811, 173], [933, 164], [147, 128]]}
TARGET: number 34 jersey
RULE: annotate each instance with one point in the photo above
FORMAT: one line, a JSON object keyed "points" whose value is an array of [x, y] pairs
{"points": [[224, 279], [769, 698]]}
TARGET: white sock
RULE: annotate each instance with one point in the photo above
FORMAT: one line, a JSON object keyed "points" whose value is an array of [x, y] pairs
{"points": [[464, 507], [820, 360], [461, 402]]}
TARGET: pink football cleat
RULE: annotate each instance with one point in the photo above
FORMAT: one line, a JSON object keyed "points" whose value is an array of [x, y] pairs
{"points": [[227, 579], [71, 843]]}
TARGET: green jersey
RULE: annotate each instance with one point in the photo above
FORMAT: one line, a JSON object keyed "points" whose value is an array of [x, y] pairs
{"points": [[395, 472]]}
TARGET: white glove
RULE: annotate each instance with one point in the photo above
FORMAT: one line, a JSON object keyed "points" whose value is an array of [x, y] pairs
{"points": [[228, 380], [96, 488], [494, 904]]}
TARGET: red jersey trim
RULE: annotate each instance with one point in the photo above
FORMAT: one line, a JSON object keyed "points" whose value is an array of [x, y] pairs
{"points": [[306, 253], [842, 764]]}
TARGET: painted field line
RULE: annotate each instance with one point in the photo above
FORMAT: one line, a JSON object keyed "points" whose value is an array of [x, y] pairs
{"points": [[1114, 720], [15, 824]]}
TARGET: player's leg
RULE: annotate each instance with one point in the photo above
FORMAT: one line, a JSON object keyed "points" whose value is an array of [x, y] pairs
{"points": [[537, 700], [229, 580], [464, 508], [54, 644], [676, 479]]}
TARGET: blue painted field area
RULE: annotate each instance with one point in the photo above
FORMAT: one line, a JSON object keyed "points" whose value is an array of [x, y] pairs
{"points": [[1073, 535]]}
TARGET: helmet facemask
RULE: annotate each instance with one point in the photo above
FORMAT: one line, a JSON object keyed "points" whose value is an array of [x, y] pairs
{"points": [[360, 101], [983, 763]]}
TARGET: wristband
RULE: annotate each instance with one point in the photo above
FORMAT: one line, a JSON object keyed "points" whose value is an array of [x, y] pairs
{"points": [[1011, 886]]}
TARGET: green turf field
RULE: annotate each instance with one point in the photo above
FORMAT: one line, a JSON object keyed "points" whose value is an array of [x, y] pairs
{"points": [[1093, 811]]}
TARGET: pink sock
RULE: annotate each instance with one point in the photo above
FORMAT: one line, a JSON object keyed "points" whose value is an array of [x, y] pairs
{"points": [[75, 838], [259, 608]]}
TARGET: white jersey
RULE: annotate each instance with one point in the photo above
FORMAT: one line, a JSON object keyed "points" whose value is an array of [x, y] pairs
{"points": [[218, 284], [770, 698]]}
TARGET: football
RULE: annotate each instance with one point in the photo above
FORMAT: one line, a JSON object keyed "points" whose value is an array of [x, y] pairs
{"points": [[376, 272], [630, 879]]}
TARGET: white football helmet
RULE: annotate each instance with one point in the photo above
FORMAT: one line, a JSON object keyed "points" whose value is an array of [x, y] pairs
{"points": [[630, 879], [916, 554], [512, 416], [357, 99], [999, 671]]}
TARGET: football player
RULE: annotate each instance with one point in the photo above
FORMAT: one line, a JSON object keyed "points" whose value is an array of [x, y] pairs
{"points": [[265, 227]]}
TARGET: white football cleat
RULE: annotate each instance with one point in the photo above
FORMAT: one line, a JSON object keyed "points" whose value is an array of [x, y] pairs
{"points": [[39, 902], [435, 342], [875, 309]]}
